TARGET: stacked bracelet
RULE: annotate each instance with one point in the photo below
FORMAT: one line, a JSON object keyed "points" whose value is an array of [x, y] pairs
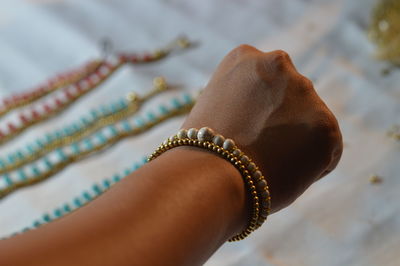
{"points": [[226, 148]]}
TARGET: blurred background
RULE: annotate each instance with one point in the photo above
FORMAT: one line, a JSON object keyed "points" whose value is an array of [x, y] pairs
{"points": [[351, 217]]}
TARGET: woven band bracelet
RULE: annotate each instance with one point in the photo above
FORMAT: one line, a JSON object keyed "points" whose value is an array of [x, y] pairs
{"points": [[254, 180]]}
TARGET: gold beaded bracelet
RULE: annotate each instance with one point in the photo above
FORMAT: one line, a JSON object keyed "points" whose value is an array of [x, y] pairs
{"points": [[226, 148]]}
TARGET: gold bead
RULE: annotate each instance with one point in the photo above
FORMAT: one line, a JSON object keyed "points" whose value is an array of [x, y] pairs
{"points": [[160, 83], [375, 179], [255, 220], [183, 42], [159, 53], [132, 96]]}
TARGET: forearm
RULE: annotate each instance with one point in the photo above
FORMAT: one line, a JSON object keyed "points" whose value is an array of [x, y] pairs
{"points": [[176, 210], [179, 208]]}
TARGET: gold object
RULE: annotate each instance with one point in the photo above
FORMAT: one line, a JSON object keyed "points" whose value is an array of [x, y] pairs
{"points": [[132, 96], [160, 83], [375, 179], [69, 101], [384, 30], [185, 108], [133, 106], [180, 43], [159, 53], [47, 115], [394, 132], [259, 210], [183, 42], [92, 67]]}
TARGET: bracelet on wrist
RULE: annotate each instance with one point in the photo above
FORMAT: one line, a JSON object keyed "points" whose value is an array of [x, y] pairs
{"points": [[254, 180]]}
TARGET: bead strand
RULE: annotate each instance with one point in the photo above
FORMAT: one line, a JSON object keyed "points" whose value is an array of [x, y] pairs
{"points": [[62, 157], [226, 148], [87, 125], [72, 93], [61, 80], [82, 199]]}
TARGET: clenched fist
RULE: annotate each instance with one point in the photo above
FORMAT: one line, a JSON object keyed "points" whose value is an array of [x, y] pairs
{"points": [[275, 116]]}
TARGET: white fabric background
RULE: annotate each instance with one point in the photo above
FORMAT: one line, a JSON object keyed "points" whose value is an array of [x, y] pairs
{"points": [[341, 220]]}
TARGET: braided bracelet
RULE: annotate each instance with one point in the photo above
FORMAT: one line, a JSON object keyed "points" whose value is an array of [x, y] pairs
{"points": [[226, 148]]}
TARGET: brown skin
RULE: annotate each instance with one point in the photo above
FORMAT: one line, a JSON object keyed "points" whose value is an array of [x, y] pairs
{"points": [[160, 215], [274, 114], [179, 208]]}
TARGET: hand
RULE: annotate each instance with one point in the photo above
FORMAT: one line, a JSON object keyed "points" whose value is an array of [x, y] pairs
{"points": [[275, 116]]}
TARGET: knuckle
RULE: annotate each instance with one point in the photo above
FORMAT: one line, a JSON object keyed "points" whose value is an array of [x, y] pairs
{"points": [[281, 55], [243, 49], [332, 145], [305, 84], [279, 60], [328, 130], [240, 52]]}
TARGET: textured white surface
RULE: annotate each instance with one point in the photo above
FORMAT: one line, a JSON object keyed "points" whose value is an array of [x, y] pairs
{"points": [[341, 220]]}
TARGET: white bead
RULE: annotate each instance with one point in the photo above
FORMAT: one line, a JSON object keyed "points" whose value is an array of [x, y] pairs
{"points": [[244, 159], [104, 70], [205, 134], [264, 194], [192, 133], [166, 142], [251, 167], [264, 203], [172, 138], [261, 185], [94, 78], [182, 134], [257, 175], [218, 140], [237, 153], [84, 84], [229, 145]]}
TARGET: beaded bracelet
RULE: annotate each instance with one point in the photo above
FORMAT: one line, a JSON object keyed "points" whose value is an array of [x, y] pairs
{"points": [[57, 160], [61, 80], [226, 148], [84, 197], [94, 121], [61, 100]]}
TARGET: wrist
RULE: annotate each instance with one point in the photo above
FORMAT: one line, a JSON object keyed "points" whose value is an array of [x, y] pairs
{"points": [[222, 180], [255, 182]]}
